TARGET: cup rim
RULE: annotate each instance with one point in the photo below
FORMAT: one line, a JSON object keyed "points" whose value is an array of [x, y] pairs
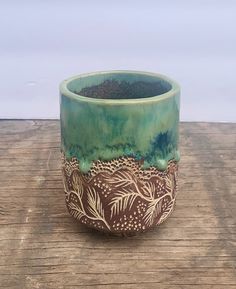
{"points": [[175, 88]]}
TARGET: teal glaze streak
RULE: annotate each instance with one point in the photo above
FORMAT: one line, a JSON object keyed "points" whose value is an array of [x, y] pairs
{"points": [[147, 131]]}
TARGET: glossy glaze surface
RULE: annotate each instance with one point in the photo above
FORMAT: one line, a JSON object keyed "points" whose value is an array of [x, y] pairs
{"points": [[104, 129]]}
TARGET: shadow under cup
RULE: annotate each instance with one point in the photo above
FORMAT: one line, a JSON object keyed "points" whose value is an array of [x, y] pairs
{"points": [[119, 143]]}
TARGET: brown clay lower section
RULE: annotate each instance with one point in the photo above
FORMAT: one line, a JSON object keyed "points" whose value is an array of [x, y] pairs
{"points": [[118, 196]]}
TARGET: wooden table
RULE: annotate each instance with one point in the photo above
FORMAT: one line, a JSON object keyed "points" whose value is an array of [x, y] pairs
{"points": [[42, 247]]}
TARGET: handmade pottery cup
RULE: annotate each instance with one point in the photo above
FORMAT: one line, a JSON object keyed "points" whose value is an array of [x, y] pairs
{"points": [[119, 143]]}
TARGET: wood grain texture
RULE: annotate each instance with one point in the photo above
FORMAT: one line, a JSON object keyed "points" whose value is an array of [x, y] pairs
{"points": [[42, 247]]}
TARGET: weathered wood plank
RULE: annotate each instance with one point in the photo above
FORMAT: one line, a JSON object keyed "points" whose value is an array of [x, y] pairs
{"points": [[41, 246]]}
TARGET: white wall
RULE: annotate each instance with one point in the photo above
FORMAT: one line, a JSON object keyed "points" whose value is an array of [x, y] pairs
{"points": [[43, 42]]}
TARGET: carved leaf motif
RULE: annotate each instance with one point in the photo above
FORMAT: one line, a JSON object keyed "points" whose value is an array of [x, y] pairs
{"points": [[167, 211], [77, 182], [121, 179], [154, 209], [149, 190], [168, 185], [95, 205], [123, 199], [76, 211]]}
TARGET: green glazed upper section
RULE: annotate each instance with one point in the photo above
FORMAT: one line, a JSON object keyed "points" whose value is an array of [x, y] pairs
{"points": [[145, 128]]}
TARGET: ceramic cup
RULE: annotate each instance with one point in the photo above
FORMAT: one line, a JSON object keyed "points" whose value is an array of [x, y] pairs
{"points": [[119, 143]]}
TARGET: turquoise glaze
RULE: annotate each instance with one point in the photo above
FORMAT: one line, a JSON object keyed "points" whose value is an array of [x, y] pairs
{"points": [[145, 128]]}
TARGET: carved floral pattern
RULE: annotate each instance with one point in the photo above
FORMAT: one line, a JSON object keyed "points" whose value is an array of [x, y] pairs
{"points": [[118, 195]]}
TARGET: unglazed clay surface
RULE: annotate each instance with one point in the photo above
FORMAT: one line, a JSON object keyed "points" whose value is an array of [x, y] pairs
{"points": [[119, 196]]}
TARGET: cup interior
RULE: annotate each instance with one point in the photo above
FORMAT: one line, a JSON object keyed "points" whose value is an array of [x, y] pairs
{"points": [[119, 85]]}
